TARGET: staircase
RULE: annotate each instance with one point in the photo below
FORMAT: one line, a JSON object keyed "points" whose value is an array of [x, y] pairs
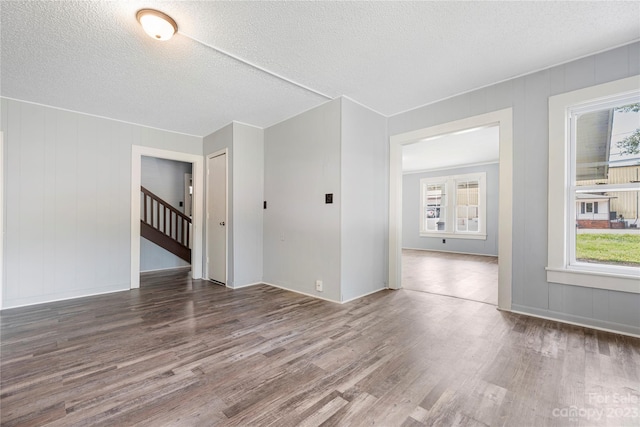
{"points": [[164, 225]]}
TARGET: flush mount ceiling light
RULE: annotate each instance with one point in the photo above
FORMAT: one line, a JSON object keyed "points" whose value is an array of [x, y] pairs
{"points": [[158, 25]]}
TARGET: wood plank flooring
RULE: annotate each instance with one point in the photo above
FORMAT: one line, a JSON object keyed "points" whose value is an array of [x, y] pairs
{"points": [[182, 352], [473, 277]]}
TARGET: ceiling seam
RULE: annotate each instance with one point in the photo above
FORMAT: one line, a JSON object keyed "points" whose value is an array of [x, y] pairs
{"points": [[256, 66], [99, 116], [528, 73], [364, 106]]}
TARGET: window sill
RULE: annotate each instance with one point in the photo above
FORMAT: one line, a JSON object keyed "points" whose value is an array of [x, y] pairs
{"points": [[447, 235], [595, 279]]}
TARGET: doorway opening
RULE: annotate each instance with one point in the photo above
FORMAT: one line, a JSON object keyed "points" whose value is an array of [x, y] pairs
{"points": [[166, 229], [450, 214], [197, 171], [451, 226]]}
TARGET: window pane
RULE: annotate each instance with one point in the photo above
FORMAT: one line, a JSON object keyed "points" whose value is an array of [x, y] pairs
{"points": [[461, 218], [607, 156], [463, 194], [474, 193], [607, 150], [610, 234], [473, 219], [467, 205], [434, 210]]}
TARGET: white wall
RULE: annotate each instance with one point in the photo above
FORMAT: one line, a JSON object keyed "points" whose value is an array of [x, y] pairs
{"points": [[245, 151], [411, 214], [301, 232], [528, 96], [68, 183], [364, 201], [219, 140], [248, 195], [155, 258], [165, 178]]}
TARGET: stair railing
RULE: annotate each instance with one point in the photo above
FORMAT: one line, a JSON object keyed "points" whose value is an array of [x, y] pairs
{"points": [[163, 217]]}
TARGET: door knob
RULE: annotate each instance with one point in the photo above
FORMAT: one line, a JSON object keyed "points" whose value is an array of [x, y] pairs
{"points": [[222, 223]]}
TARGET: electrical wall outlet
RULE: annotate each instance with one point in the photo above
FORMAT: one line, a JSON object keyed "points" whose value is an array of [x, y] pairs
{"points": [[319, 285]]}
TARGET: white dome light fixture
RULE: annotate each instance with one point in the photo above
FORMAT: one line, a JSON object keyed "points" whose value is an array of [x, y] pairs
{"points": [[157, 25]]}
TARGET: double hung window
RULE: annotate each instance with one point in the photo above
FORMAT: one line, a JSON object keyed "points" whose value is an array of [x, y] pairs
{"points": [[453, 206], [604, 187], [594, 187]]}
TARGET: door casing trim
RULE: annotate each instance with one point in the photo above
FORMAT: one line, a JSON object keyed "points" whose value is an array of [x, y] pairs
{"points": [[137, 151], [503, 118]]}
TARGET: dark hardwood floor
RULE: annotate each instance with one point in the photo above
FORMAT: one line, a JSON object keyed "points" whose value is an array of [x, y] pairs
{"points": [[184, 352], [473, 277]]}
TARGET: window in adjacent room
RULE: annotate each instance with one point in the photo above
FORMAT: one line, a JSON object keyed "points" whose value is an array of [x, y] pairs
{"points": [[453, 206], [467, 205], [435, 200]]}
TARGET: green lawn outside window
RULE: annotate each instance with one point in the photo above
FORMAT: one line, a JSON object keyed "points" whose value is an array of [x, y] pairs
{"points": [[618, 249]]}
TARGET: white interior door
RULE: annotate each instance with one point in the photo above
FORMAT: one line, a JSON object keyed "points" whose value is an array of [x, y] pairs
{"points": [[217, 218]]}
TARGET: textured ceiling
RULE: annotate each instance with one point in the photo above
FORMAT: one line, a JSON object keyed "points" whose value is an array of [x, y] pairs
{"points": [[93, 57], [465, 148]]}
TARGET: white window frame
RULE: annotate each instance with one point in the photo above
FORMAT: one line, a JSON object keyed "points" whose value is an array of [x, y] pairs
{"points": [[450, 182], [562, 205]]}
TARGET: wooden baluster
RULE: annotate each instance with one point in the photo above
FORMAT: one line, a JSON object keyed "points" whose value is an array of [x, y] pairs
{"points": [[145, 207], [186, 243], [172, 227]]}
